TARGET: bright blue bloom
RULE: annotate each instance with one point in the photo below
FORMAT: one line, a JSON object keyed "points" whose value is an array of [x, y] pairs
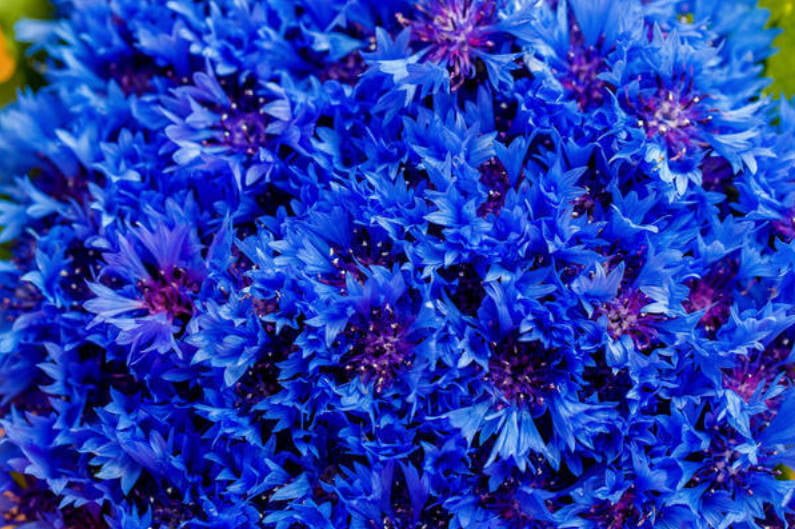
{"points": [[398, 264]]}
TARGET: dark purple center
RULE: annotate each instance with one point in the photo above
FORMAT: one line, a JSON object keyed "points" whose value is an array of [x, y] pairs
{"points": [[368, 247], [84, 264], [25, 297], [165, 503], [672, 115], [721, 466], [345, 71], [758, 369], [455, 30], [785, 228], [380, 347], [170, 291], [465, 287], [585, 63], [507, 505], [244, 132], [51, 180], [33, 503], [402, 515], [495, 179], [626, 316], [523, 372], [623, 513], [133, 73], [717, 174], [403, 518], [261, 380], [244, 123], [713, 294]]}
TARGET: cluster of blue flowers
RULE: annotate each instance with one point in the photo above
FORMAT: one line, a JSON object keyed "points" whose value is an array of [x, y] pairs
{"points": [[398, 264]]}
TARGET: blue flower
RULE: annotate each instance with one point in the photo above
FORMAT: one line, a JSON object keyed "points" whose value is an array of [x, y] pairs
{"points": [[234, 124], [399, 264], [147, 286]]}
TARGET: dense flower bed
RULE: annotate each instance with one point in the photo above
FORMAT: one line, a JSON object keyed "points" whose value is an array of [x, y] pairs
{"points": [[387, 264]]}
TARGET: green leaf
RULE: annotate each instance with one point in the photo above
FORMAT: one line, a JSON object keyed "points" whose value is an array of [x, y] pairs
{"points": [[781, 66]]}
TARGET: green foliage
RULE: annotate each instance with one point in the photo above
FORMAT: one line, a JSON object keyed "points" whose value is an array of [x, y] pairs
{"points": [[781, 66], [10, 53]]}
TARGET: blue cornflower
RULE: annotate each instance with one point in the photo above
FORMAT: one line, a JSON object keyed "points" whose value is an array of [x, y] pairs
{"points": [[456, 33], [237, 125], [401, 264], [147, 286], [681, 118]]}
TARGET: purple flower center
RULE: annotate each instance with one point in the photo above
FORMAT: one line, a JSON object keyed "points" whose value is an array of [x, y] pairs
{"points": [[722, 465], [261, 380], [133, 73], [585, 63], [346, 70], [34, 504], [456, 31], [165, 503], [170, 291], [466, 287], [756, 371], [24, 298], [507, 505], [84, 264], [244, 123], [368, 247], [51, 180], [380, 347], [717, 174], [523, 372], [713, 294], [435, 518], [245, 131], [623, 513], [672, 115], [495, 179], [785, 228], [404, 517], [625, 316]]}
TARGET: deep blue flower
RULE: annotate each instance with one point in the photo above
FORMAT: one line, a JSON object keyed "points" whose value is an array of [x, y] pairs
{"points": [[397, 264], [146, 288]]}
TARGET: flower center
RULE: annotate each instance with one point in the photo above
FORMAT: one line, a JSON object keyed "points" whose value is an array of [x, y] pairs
{"points": [[170, 291], [713, 294], [625, 316], [722, 465], [672, 115], [785, 228], [244, 123], [84, 264], [623, 513], [261, 380], [165, 503], [717, 174], [133, 73], [466, 287], [403, 515], [506, 503], [380, 347], [585, 63], [346, 70], [523, 372], [244, 131], [455, 30], [32, 504], [756, 371], [368, 247], [495, 179]]}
